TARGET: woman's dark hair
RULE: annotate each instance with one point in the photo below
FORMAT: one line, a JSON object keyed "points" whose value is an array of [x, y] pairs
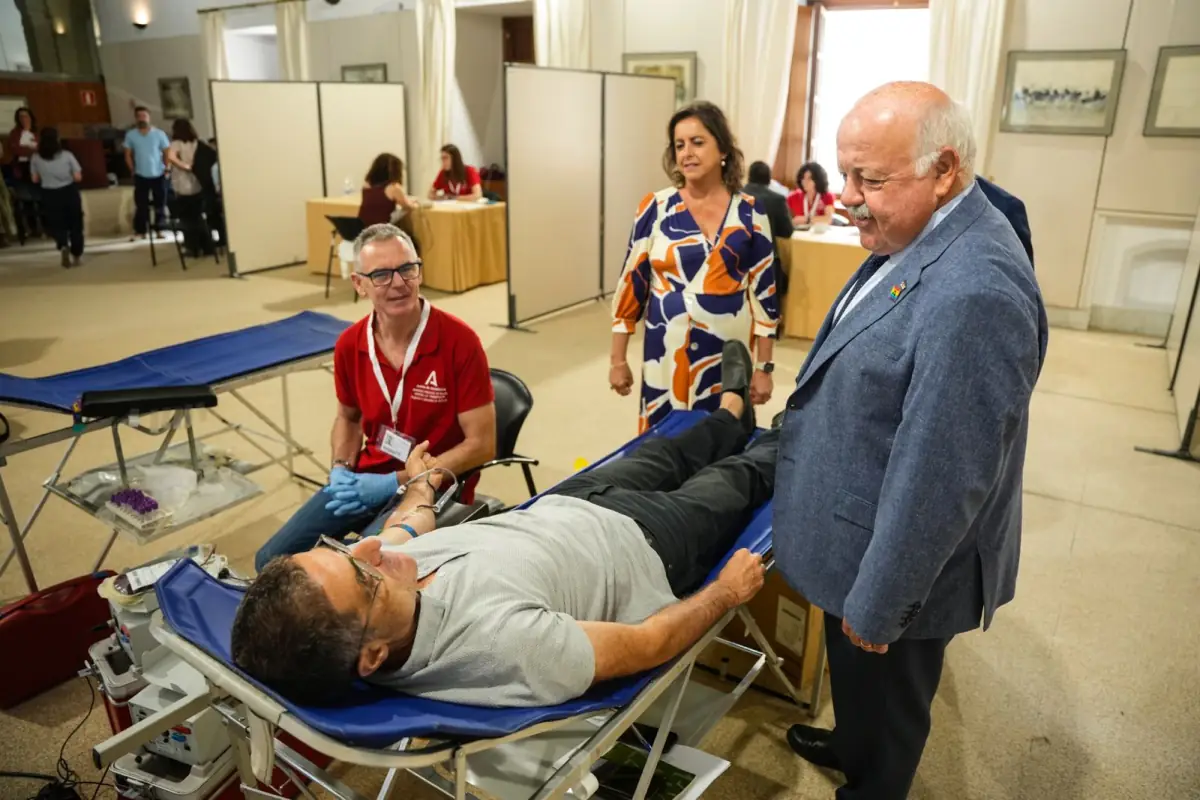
{"points": [[386, 169], [458, 172], [183, 130], [32, 118], [819, 176], [48, 144], [713, 120]]}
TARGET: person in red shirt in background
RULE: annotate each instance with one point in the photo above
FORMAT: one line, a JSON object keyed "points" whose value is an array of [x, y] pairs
{"points": [[456, 179], [812, 202], [408, 373]]}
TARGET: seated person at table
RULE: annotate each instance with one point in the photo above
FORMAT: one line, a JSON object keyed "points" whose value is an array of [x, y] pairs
{"points": [[456, 178], [383, 195], [530, 607], [407, 373], [812, 202]]}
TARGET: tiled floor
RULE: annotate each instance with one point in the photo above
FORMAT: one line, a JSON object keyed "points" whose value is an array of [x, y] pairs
{"points": [[1087, 687]]}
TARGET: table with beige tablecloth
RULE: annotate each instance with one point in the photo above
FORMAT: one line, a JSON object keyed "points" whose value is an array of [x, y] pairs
{"points": [[463, 244], [818, 266]]}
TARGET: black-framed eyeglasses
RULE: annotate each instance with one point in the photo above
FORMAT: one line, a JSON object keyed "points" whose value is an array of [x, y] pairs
{"points": [[365, 574], [409, 271]]}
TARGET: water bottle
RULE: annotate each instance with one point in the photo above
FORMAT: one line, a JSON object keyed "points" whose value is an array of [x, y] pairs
{"points": [[347, 186]]}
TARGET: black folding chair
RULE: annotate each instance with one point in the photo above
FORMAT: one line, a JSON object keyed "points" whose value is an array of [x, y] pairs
{"points": [[174, 220], [513, 404], [345, 229]]}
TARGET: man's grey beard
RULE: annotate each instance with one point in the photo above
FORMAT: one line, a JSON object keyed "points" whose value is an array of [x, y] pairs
{"points": [[859, 212]]}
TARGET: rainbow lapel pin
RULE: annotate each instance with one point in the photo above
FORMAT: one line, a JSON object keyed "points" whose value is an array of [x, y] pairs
{"points": [[898, 288]]}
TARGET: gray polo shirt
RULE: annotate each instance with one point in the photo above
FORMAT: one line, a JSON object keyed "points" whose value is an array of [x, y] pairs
{"points": [[56, 172], [498, 622]]}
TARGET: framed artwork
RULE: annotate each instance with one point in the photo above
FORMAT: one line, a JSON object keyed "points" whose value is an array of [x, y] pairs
{"points": [[175, 97], [364, 73], [1062, 91], [1174, 108], [680, 66]]}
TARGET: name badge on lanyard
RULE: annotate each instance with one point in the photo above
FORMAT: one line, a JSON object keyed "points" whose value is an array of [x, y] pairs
{"points": [[390, 440]]}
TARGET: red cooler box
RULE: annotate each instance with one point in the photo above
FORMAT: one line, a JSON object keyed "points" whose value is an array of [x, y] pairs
{"points": [[48, 634]]}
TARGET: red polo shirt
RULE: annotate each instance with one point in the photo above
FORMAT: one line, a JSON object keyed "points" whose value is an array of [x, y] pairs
{"points": [[448, 375], [453, 189]]}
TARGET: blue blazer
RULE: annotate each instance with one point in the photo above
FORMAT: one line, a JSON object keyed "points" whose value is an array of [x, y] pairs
{"points": [[898, 489], [1013, 209]]}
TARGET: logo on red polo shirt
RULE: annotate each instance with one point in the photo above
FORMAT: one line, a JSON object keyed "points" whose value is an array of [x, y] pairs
{"points": [[429, 391]]}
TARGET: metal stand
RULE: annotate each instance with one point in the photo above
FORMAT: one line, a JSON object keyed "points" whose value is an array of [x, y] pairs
{"points": [[1184, 451], [55, 484]]}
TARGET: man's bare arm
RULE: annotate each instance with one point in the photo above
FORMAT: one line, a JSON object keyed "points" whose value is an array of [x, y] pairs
{"points": [[346, 438], [420, 520], [479, 441], [629, 649]]}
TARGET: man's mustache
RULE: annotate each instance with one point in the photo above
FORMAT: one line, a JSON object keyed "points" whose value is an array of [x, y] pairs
{"points": [[859, 212]]}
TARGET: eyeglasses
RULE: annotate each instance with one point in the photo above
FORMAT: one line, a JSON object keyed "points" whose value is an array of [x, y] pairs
{"points": [[364, 573], [409, 272]]}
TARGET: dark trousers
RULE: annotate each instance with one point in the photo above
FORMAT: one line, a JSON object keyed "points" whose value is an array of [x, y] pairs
{"points": [[145, 192], [881, 703], [190, 209], [63, 210], [692, 494]]}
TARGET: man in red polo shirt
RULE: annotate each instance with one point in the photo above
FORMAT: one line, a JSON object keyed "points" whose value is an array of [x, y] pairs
{"points": [[407, 373]]}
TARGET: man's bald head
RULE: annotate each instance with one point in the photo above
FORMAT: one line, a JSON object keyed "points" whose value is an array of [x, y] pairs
{"points": [[906, 149]]}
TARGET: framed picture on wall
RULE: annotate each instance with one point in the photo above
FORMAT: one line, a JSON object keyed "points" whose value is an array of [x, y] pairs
{"points": [[680, 66], [175, 97], [364, 73], [1174, 108], [1062, 91]]}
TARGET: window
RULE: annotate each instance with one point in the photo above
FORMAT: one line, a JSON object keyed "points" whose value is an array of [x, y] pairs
{"points": [[857, 50]]}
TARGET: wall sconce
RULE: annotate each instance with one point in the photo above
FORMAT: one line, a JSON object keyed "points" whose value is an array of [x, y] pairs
{"points": [[60, 27], [141, 18]]}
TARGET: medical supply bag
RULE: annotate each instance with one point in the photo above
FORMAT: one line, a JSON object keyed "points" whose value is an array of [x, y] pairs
{"points": [[45, 636]]}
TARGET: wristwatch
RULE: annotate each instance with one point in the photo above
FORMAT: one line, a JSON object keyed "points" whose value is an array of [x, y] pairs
{"points": [[765, 366]]}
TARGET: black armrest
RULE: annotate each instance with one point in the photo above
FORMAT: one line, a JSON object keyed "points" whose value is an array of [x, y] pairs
{"points": [[513, 460], [123, 402], [458, 513]]}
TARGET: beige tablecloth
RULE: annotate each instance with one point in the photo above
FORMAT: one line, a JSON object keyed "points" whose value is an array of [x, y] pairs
{"points": [[818, 266], [463, 245]]}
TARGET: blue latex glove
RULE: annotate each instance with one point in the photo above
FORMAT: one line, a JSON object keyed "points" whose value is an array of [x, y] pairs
{"points": [[375, 490], [342, 487]]}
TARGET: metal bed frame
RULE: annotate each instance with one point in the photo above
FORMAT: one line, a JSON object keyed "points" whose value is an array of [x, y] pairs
{"points": [[180, 418]]}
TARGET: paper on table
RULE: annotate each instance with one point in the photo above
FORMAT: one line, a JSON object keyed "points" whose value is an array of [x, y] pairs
{"points": [[142, 577]]}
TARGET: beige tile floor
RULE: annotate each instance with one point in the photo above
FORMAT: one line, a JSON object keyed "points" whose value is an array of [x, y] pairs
{"points": [[1087, 687]]}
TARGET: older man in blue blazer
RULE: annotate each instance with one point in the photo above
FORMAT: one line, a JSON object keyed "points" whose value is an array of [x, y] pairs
{"points": [[898, 490]]}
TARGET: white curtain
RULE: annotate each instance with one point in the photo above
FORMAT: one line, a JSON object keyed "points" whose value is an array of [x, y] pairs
{"points": [[562, 33], [212, 41], [966, 44], [759, 35], [436, 35], [291, 27]]}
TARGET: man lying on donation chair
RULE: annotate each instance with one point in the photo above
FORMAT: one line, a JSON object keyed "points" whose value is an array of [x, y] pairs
{"points": [[529, 607]]}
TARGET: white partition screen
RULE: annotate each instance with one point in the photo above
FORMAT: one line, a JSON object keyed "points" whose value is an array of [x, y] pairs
{"points": [[1187, 376], [1184, 316], [552, 131], [358, 122], [269, 139], [636, 112]]}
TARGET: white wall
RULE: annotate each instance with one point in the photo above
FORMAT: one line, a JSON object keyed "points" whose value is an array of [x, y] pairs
{"points": [[661, 26], [14, 51], [477, 108], [252, 57], [1069, 182], [132, 70]]}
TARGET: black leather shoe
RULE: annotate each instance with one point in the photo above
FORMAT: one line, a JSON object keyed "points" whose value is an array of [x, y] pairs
{"points": [[736, 368], [813, 745]]}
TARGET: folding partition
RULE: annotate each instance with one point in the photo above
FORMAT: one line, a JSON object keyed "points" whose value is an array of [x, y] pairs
{"points": [[636, 111], [358, 122], [582, 150], [552, 129], [1183, 356], [285, 143], [269, 140]]}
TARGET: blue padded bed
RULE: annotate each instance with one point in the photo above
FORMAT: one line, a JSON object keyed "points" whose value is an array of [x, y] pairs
{"points": [[201, 610], [211, 360]]}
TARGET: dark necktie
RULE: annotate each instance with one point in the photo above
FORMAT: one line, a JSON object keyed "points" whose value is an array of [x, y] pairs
{"points": [[860, 278]]}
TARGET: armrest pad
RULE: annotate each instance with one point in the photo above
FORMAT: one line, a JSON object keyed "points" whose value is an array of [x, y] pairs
{"points": [[122, 402]]}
